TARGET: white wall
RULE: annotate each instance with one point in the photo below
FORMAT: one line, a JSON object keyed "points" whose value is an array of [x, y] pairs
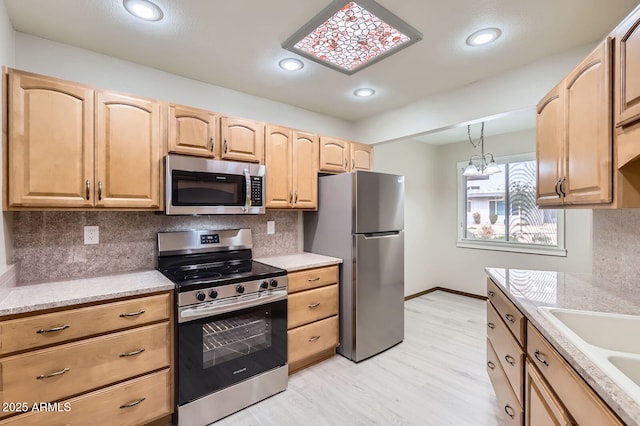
{"points": [[432, 258], [7, 58], [59, 60], [417, 161]]}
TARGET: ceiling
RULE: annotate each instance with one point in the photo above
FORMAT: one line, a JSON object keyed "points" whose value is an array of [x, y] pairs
{"points": [[237, 44]]}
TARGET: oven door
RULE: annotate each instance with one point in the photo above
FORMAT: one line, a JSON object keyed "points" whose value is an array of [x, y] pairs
{"points": [[222, 349]]}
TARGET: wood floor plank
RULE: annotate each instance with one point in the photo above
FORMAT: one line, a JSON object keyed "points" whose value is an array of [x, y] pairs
{"points": [[436, 376]]}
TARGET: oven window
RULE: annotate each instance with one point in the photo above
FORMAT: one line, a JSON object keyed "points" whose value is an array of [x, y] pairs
{"points": [[231, 338], [207, 189]]}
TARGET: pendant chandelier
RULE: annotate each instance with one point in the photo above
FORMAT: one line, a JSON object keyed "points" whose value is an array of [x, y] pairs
{"points": [[483, 164]]}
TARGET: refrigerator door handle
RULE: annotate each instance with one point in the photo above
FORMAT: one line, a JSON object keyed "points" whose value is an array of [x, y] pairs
{"points": [[381, 234]]}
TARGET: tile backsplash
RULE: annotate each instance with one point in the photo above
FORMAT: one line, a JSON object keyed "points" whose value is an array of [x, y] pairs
{"points": [[616, 244], [49, 246]]}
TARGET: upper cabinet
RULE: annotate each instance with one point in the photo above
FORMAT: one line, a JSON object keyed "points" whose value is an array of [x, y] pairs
{"points": [[574, 139], [339, 155], [627, 82], [70, 146], [242, 140], [193, 131], [291, 158]]}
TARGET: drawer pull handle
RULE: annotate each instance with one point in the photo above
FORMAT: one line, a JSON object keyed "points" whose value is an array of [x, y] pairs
{"points": [[314, 338], [314, 279], [132, 404], [491, 294], [510, 318], [540, 358], [510, 359], [510, 411], [87, 188], [57, 373], [54, 329], [313, 305], [132, 314], [491, 365], [139, 351], [491, 325]]}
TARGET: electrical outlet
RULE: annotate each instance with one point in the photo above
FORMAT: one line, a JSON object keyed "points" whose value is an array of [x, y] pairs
{"points": [[91, 235], [271, 227]]}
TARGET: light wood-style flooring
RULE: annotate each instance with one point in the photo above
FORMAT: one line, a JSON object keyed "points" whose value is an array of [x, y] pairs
{"points": [[436, 376]]}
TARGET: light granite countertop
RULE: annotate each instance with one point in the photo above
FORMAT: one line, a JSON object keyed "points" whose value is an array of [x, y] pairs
{"points": [[36, 297], [299, 261], [529, 289]]}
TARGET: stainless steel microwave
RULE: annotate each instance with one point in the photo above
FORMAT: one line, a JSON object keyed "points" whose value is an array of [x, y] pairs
{"points": [[202, 186]]}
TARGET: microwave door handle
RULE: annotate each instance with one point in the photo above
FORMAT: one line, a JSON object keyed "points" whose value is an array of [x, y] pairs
{"points": [[247, 200]]}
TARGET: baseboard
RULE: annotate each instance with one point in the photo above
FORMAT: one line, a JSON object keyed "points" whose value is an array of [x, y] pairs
{"points": [[448, 290]]}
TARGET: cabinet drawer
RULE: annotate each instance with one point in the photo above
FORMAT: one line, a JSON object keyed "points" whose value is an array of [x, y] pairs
{"points": [[313, 338], [114, 403], [579, 399], [312, 278], [510, 408], [56, 373], [510, 355], [311, 305], [41, 330], [512, 317]]}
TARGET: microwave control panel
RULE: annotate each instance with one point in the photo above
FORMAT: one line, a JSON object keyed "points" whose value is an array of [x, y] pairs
{"points": [[256, 190]]}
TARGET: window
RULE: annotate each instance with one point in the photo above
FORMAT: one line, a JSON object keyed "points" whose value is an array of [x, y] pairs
{"points": [[500, 211]]}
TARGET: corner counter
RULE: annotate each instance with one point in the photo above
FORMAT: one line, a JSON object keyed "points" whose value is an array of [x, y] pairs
{"points": [[529, 289], [300, 261]]}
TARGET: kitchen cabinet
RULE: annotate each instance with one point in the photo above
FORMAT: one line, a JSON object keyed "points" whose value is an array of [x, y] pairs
{"points": [[312, 316], [112, 358], [505, 353], [543, 407], [71, 146], [334, 155], [574, 139], [361, 156], [242, 140], [627, 75], [291, 158], [193, 131]]}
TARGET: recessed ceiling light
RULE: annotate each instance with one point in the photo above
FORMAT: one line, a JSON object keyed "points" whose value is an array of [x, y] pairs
{"points": [[143, 9], [348, 36], [291, 64], [364, 92], [484, 36]]}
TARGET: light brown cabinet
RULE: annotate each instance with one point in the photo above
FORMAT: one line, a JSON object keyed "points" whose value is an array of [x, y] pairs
{"points": [[339, 155], [312, 316], [543, 407], [361, 156], [116, 362], [627, 81], [70, 146], [242, 140], [574, 140], [193, 131], [291, 158]]}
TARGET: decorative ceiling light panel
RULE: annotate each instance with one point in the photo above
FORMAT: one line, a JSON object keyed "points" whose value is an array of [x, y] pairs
{"points": [[349, 36]]}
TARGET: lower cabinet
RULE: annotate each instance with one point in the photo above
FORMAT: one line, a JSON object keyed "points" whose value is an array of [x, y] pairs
{"points": [[543, 407], [510, 407], [75, 369], [312, 316]]}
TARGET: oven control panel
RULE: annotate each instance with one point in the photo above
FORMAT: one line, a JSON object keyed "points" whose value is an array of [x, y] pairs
{"points": [[210, 239], [245, 288]]}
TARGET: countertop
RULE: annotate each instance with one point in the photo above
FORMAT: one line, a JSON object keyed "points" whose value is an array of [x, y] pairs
{"points": [[36, 297], [529, 289], [299, 261]]}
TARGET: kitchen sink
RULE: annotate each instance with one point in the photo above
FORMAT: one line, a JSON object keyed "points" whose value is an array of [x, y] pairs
{"points": [[609, 340]]}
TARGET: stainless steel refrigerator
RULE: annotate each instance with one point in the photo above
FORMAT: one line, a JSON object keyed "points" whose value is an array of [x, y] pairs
{"points": [[360, 219]]}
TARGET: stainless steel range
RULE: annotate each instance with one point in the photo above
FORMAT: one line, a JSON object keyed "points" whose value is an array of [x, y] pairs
{"points": [[231, 323]]}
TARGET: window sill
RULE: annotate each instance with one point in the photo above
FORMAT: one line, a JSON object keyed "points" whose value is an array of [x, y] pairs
{"points": [[513, 248]]}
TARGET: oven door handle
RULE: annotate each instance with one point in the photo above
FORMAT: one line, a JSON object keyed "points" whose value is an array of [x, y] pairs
{"points": [[208, 310]]}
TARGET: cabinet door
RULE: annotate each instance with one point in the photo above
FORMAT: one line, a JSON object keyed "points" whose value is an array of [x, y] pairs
{"points": [[305, 170], [588, 152], [193, 131], [549, 147], [279, 192], [334, 155], [542, 408], [627, 85], [361, 156], [128, 141], [242, 140], [50, 142]]}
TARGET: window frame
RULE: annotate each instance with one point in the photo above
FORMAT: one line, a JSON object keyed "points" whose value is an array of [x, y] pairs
{"points": [[559, 250]]}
